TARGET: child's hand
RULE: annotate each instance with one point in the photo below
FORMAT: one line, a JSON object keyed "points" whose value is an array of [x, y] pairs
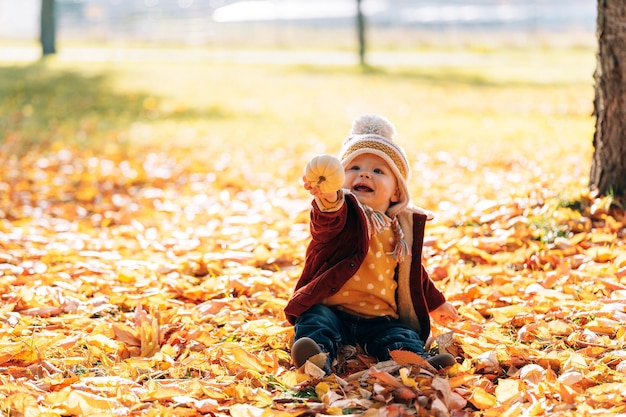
{"points": [[326, 171], [315, 191], [445, 314]]}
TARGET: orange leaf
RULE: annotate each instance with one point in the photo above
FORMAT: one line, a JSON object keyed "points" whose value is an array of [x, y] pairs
{"points": [[246, 359], [126, 334], [482, 400], [81, 402], [404, 357], [385, 377], [22, 404]]}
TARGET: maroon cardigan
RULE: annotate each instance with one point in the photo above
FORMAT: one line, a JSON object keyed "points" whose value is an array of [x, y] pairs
{"points": [[338, 246]]}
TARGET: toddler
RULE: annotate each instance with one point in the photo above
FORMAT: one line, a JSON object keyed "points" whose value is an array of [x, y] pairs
{"points": [[363, 282]]}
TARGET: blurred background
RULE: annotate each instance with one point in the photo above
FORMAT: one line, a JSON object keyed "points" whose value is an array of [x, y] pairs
{"points": [[303, 23], [499, 85]]}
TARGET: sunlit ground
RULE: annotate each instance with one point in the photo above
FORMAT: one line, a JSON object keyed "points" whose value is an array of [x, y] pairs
{"points": [[508, 111]]}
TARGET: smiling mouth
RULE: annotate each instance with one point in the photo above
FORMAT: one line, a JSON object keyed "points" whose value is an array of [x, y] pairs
{"points": [[362, 188]]}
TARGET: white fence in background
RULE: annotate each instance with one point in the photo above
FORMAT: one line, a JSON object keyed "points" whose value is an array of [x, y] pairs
{"points": [[293, 22]]}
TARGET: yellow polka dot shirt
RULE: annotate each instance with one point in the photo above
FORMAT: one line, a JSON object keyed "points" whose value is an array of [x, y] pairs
{"points": [[371, 292]]}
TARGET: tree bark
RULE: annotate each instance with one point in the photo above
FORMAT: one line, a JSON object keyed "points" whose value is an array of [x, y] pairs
{"points": [[608, 169], [48, 27]]}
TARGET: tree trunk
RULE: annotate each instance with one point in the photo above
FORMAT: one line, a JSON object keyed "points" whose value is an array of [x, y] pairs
{"points": [[360, 25], [608, 169], [48, 27]]}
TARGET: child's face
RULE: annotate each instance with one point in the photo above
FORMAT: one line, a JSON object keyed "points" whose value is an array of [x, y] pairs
{"points": [[372, 181]]}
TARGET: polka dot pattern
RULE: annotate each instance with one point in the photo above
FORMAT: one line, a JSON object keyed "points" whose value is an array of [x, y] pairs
{"points": [[371, 292]]}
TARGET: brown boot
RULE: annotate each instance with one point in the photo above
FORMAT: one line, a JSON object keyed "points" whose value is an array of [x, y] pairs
{"points": [[303, 349]]}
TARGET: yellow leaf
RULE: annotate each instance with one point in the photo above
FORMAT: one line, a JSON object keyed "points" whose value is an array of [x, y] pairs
{"points": [[319, 360], [150, 337], [471, 313], [126, 276], [244, 410], [246, 359], [504, 314], [575, 362], [22, 404], [161, 361], [140, 363], [406, 379], [608, 388], [560, 328], [462, 379], [77, 402], [156, 391], [205, 406], [102, 342], [601, 253], [321, 389], [481, 399], [9, 349], [509, 390]]}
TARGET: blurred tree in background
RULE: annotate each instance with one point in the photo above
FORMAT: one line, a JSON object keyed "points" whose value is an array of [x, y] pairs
{"points": [[48, 27], [360, 24]]}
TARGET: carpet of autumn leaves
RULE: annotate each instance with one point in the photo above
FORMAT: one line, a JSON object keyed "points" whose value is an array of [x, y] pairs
{"points": [[151, 282], [150, 287]]}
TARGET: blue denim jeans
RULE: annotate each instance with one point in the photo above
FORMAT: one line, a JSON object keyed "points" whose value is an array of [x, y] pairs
{"points": [[332, 329]]}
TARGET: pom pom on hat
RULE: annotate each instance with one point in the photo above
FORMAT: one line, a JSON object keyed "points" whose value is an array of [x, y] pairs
{"points": [[373, 124], [374, 134]]}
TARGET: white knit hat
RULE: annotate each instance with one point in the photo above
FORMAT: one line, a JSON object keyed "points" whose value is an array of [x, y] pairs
{"points": [[374, 134]]}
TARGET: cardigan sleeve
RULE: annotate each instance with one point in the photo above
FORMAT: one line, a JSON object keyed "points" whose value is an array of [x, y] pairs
{"points": [[326, 225], [434, 297]]}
